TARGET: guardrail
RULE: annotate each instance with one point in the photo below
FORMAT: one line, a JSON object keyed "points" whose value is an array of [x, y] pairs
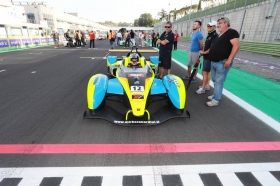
{"points": [[258, 47]]}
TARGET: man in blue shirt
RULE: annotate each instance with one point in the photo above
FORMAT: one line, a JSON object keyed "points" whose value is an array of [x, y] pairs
{"points": [[195, 47]]}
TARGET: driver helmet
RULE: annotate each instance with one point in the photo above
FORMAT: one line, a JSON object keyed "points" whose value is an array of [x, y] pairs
{"points": [[134, 59]]}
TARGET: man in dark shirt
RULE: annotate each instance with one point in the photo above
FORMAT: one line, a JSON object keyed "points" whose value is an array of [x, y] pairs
{"points": [[165, 41], [222, 52], [212, 34]]}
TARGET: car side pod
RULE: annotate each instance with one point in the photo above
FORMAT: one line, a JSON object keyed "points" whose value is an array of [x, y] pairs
{"points": [[96, 91], [175, 90]]}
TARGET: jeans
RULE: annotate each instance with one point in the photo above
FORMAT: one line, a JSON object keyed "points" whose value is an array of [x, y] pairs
{"points": [[83, 41], [112, 44], [219, 74]]}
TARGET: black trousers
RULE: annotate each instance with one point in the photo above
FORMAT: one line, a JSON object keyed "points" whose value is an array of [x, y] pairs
{"points": [[78, 42], [92, 42], [175, 45], [127, 41]]}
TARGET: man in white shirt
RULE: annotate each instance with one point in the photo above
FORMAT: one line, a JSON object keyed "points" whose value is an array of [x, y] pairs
{"points": [[119, 38]]}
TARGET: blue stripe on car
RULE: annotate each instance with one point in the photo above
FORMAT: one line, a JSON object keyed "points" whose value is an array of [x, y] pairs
{"points": [[172, 90], [101, 84], [154, 59], [112, 59], [115, 87], [157, 87]]}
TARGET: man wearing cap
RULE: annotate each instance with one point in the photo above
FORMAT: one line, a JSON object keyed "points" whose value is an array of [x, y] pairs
{"points": [[222, 52], [212, 34]]}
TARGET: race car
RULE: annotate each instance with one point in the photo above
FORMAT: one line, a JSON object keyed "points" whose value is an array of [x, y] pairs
{"points": [[135, 86]]}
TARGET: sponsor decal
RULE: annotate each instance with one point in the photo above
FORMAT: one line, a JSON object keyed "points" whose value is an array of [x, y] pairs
{"points": [[36, 41], [43, 40], [137, 96], [26, 41], [15, 42], [135, 75], [137, 88], [175, 82], [50, 39], [4, 43]]}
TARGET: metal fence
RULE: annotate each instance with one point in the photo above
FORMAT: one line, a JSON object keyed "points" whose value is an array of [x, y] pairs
{"points": [[255, 20]]}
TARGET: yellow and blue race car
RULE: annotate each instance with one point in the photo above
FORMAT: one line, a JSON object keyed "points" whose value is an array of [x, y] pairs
{"points": [[132, 80]]}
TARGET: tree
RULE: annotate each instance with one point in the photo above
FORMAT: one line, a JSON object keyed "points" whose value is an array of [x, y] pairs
{"points": [[174, 13], [136, 22], [123, 24], [199, 5], [146, 20], [162, 14]]}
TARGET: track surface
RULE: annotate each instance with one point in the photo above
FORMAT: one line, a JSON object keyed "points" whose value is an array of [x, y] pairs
{"points": [[43, 98]]}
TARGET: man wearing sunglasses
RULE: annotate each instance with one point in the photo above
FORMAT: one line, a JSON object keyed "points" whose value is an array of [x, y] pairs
{"points": [[212, 34], [165, 41], [222, 52]]}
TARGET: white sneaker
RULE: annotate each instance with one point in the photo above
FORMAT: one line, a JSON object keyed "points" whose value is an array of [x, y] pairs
{"points": [[212, 103], [205, 88], [200, 91], [210, 97]]}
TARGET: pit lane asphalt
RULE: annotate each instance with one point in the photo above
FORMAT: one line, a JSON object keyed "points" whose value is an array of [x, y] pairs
{"points": [[43, 98]]}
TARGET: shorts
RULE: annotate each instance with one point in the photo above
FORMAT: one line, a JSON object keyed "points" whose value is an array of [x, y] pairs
{"points": [[55, 41], [193, 56], [165, 62], [206, 65]]}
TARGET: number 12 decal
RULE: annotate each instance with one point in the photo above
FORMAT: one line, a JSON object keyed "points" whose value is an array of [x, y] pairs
{"points": [[137, 88]]}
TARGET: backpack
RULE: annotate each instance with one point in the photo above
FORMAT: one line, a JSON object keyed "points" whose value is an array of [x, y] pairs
{"points": [[128, 36]]}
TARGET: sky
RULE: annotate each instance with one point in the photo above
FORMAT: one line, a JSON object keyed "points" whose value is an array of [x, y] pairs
{"points": [[116, 10]]}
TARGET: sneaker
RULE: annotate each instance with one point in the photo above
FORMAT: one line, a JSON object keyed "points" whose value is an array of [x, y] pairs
{"points": [[193, 81], [205, 88], [200, 91], [210, 97], [212, 103], [185, 77]]}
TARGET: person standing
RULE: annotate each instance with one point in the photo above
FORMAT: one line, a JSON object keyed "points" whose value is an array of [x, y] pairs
{"points": [[212, 34], [195, 47], [222, 52], [132, 37], [92, 39], [165, 41], [83, 37], [78, 39], [55, 37], [111, 37], [176, 38], [118, 38], [153, 38], [127, 39]]}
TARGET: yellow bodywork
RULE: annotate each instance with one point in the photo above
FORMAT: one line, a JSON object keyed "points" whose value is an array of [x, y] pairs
{"points": [[137, 105]]}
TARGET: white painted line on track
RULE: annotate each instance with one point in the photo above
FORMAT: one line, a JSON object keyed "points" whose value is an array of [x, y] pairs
{"points": [[254, 111], [151, 175], [2, 70], [266, 179], [105, 57], [33, 72]]}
